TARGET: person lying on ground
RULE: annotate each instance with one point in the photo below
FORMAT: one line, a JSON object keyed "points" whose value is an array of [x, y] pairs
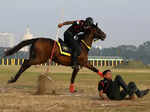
{"points": [[112, 88]]}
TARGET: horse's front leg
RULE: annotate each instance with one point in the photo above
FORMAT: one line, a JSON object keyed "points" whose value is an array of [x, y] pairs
{"points": [[74, 73], [91, 67]]}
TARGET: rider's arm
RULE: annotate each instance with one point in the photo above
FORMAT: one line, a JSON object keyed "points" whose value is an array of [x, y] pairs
{"points": [[101, 90], [66, 23]]}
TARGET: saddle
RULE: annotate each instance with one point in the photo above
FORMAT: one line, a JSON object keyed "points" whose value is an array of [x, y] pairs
{"points": [[64, 49]]}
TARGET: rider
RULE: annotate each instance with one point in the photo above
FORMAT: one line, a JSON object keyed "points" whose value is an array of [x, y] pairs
{"points": [[75, 28], [112, 88]]}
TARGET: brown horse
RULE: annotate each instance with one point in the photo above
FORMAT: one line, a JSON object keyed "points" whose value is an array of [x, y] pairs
{"points": [[41, 48]]}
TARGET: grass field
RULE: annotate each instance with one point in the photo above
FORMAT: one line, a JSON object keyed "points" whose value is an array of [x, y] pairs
{"points": [[19, 97]]}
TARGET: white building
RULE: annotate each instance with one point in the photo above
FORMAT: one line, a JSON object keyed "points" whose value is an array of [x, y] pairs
{"points": [[7, 39], [27, 36]]}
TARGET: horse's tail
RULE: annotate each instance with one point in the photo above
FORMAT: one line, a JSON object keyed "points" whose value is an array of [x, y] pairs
{"points": [[19, 46]]}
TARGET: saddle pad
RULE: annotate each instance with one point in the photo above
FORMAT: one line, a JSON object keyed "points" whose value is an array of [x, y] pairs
{"points": [[64, 49]]}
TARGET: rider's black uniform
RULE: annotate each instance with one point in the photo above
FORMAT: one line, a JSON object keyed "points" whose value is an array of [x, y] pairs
{"points": [[112, 88], [74, 29]]}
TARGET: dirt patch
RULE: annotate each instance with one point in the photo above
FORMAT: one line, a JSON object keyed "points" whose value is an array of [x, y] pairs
{"points": [[20, 97], [19, 100]]}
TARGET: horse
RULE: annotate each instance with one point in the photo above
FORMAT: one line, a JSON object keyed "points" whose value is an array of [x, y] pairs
{"points": [[41, 51]]}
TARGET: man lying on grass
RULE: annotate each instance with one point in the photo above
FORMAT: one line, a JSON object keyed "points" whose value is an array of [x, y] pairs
{"points": [[112, 88]]}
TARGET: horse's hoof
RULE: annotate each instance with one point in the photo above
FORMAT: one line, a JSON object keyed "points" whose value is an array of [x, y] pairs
{"points": [[12, 80]]}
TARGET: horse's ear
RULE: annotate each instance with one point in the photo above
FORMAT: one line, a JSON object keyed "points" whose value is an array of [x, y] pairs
{"points": [[96, 24]]}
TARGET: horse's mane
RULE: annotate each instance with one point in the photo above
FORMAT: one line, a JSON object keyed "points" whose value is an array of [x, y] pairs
{"points": [[82, 36]]}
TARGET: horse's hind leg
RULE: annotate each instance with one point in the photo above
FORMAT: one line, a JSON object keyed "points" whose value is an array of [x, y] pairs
{"points": [[24, 66], [33, 60]]}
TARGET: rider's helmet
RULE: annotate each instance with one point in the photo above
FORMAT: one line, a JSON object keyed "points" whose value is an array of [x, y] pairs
{"points": [[89, 21]]}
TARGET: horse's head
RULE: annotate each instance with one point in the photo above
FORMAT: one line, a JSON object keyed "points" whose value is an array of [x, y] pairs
{"points": [[98, 33]]}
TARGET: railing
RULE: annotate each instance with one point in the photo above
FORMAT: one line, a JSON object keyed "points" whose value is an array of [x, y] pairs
{"points": [[95, 62]]}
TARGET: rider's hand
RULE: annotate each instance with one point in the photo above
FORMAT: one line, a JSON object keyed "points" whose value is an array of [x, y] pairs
{"points": [[60, 25]]}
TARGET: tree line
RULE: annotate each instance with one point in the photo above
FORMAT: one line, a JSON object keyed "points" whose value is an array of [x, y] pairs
{"points": [[139, 53]]}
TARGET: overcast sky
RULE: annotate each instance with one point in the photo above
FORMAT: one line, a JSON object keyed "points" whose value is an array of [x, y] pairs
{"points": [[124, 21]]}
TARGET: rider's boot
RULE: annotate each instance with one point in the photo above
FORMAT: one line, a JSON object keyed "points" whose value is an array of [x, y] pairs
{"points": [[139, 93], [142, 93]]}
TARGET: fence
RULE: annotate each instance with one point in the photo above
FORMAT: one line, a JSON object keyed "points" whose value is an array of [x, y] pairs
{"points": [[94, 61]]}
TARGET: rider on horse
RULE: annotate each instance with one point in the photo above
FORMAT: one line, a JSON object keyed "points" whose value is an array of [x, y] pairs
{"points": [[75, 28]]}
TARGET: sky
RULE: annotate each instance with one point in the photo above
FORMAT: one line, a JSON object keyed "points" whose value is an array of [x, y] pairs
{"points": [[124, 21]]}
